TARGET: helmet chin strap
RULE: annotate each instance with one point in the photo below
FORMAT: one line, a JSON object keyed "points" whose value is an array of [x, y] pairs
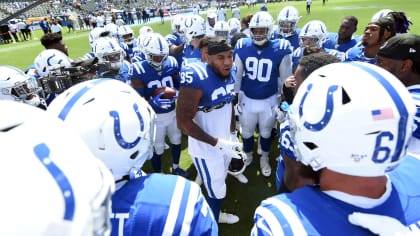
{"points": [[260, 42]]}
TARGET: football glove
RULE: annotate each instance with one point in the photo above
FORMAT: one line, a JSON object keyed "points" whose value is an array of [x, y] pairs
{"points": [[163, 103], [379, 224]]}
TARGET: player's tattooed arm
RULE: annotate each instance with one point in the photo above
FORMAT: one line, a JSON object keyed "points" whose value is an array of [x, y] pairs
{"points": [[187, 107]]}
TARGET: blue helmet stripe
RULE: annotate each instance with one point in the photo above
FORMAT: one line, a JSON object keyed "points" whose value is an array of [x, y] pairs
{"points": [[42, 152], [66, 109], [399, 104]]}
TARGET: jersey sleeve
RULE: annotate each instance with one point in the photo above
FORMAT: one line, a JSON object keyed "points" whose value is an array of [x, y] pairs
{"points": [[192, 74], [276, 217]]}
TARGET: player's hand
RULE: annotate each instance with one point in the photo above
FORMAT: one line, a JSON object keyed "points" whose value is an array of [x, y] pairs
{"points": [[379, 224], [230, 148], [162, 102], [290, 82]]}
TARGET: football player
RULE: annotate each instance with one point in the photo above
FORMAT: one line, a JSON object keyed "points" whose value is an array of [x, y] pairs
{"points": [[291, 174], [194, 31], [157, 71], [344, 39], [205, 113], [118, 126], [61, 188], [176, 40], [355, 141], [17, 86], [127, 42], [374, 36], [107, 50], [401, 56], [313, 35], [287, 20], [262, 67]]}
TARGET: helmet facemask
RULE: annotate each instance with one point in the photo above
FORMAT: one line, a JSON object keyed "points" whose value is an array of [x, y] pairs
{"points": [[287, 28], [261, 37]]}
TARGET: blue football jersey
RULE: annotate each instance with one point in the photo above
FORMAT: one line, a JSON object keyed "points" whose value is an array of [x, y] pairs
{"points": [[356, 53], [261, 66], [214, 107], [131, 51], [190, 52], [298, 213], [415, 93], [216, 90], [293, 39], [159, 204], [332, 43], [122, 75], [175, 39], [138, 57], [153, 79]]}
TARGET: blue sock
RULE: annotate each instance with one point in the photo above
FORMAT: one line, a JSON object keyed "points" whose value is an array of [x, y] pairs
{"points": [[157, 162], [215, 205], [265, 144], [248, 144], [176, 153]]}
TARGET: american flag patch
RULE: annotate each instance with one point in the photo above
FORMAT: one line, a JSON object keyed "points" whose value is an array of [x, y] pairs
{"points": [[383, 114]]}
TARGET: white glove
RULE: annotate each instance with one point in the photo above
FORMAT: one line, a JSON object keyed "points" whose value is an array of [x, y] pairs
{"points": [[230, 148], [379, 224]]}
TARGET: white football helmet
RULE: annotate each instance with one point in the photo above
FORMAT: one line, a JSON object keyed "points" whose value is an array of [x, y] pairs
{"points": [[107, 49], [155, 49], [234, 26], [57, 187], [176, 23], [17, 86], [112, 28], [338, 124], [221, 29], [94, 34], [288, 19], [261, 19], [117, 124], [50, 59], [194, 27], [237, 166], [380, 14], [125, 34], [313, 34], [143, 32]]}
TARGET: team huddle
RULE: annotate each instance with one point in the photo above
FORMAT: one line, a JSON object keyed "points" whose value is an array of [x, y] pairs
{"points": [[344, 110]]}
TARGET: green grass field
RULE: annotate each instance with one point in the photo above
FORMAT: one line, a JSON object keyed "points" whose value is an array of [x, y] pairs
{"points": [[241, 199]]}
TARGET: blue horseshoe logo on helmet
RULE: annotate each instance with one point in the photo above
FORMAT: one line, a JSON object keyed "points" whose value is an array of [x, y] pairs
{"points": [[117, 128], [328, 110]]}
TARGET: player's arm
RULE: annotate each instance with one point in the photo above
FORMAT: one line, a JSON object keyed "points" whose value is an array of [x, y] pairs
{"points": [[176, 49], [186, 109], [239, 72], [285, 69], [138, 85]]}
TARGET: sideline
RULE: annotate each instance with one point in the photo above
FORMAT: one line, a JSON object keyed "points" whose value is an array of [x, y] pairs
{"points": [[36, 42]]}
